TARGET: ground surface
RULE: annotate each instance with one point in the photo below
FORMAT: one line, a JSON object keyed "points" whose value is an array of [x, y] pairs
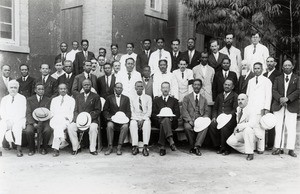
{"points": [[177, 172]]}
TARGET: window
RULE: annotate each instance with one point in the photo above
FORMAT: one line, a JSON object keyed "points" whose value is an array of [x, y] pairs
{"points": [[155, 5], [157, 9], [7, 21]]}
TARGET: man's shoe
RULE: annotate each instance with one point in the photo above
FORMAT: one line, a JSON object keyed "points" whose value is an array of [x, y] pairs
{"points": [[192, 151], [260, 152], [74, 152], [277, 151], [19, 153], [145, 151], [94, 153], [135, 150], [173, 147], [197, 151], [119, 152], [292, 153], [226, 153], [162, 152], [31, 153], [220, 151], [44, 152], [250, 157], [109, 150], [55, 153], [269, 148]]}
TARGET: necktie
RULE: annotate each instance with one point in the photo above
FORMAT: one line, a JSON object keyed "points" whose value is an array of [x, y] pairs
{"points": [[228, 51], [165, 99], [140, 104], [85, 97], [107, 83], [39, 99], [101, 68], [197, 100], [182, 75], [88, 76], [225, 74], [85, 55], [62, 100], [240, 115], [147, 53], [44, 80], [129, 75], [190, 57], [225, 95], [12, 99], [254, 50], [256, 79], [159, 54], [287, 78], [24, 79]]}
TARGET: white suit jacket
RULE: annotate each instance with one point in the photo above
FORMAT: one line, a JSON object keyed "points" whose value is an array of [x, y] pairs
{"points": [[136, 113], [13, 110], [235, 57], [128, 85], [123, 60], [183, 83], [65, 109], [261, 54], [154, 58], [159, 78]]}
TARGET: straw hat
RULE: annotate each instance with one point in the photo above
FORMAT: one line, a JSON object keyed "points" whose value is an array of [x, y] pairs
{"points": [[268, 121], [41, 114], [223, 119], [9, 136], [83, 121], [201, 123]]}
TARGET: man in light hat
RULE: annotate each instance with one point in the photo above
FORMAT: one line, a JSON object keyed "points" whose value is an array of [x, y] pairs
{"points": [[141, 108], [36, 101], [194, 105], [226, 102], [62, 107], [165, 123], [86, 102], [12, 113], [113, 104]]}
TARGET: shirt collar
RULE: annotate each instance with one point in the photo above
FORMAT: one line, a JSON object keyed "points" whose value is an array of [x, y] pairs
{"points": [[25, 77], [45, 76], [289, 75], [196, 95], [86, 74], [167, 97]]}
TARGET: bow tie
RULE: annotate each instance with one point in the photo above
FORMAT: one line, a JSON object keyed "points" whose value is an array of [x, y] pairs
{"points": [[147, 79]]}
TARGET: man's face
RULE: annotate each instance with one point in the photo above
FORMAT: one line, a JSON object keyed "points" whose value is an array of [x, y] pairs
{"points": [[204, 58], [40, 90], [139, 87], [107, 69], [257, 70], [229, 39], [58, 66], [225, 65], [191, 44], [6, 71], [129, 49], [85, 46], [24, 70], [147, 45], [214, 47], [146, 72], [287, 67], [68, 67], [242, 100], [75, 45], [94, 64], [118, 89], [228, 86], [117, 66], [13, 89], [45, 70], [87, 67], [182, 65], [165, 89], [63, 47], [130, 65], [175, 46], [101, 60], [244, 66], [102, 52], [255, 39], [62, 89], [86, 85], [197, 86], [271, 63], [163, 66], [160, 44], [114, 50]]}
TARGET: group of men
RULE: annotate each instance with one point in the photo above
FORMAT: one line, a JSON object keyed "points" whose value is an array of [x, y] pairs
{"points": [[135, 92]]}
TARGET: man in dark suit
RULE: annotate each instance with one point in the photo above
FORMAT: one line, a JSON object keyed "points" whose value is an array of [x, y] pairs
{"points": [[82, 56], [165, 124], [5, 78], [50, 84], [86, 102], [147, 81], [192, 55], [63, 54], [271, 73], [77, 84], [68, 77], [246, 75], [143, 57], [286, 90], [26, 82], [107, 82], [227, 103], [176, 55], [34, 102], [221, 76], [114, 103], [215, 58], [115, 55]]}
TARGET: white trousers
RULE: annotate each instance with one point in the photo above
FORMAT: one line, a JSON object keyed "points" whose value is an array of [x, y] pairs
{"points": [[134, 132], [290, 126], [17, 128], [93, 134]]}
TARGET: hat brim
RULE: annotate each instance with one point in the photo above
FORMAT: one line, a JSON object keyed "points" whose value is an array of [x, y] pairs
{"points": [[120, 120], [224, 121], [35, 117], [162, 115], [87, 124]]}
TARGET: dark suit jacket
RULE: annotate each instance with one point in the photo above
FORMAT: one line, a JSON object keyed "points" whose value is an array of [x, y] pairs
{"points": [[216, 64], [195, 60], [149, 86], [110, 107], [51, 86], [227, 106], [103, 90], [293, 92], [218, 82], [175, 60], [142, 60], [189, 107], [273, 75], [77, 84], [92, 105], [26, 88], [158, 104], [32, 104], [69, 82], [243, 83], [3, 88], [59, 56], [79, 59]]}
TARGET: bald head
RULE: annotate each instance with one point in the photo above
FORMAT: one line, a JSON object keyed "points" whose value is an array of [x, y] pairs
{"points": [[242, 100]]}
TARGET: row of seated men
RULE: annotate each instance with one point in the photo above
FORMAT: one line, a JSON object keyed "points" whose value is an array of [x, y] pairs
{"points": [[194, 106]]}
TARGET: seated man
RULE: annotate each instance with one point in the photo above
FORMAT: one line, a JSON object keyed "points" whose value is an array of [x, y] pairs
{"points": [[12, 113], [114, 103], [86, 102], [165, 124], [194, 105], [141, 108], [34, 102], [62, 108], [247, 129]]}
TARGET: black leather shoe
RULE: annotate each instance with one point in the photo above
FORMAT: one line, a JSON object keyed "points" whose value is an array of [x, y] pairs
{"points": [[145, 151], [192, 151], [44, 152], [162, 152], [277, 151], [173, 147], [55, 153], [109, 150], [119, 151], [31, 153], [260, 152], [250, 157], [220, 151], [292, 153], [94, 153], [198, 152], [19, 153], [74, 152], [226, 153], [135, 150]]}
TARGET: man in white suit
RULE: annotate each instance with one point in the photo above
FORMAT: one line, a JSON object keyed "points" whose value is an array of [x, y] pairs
{"points": [[259, 93]]}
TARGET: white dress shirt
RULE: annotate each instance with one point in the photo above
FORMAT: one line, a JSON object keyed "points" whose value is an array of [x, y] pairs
{"points": [[286, 84], [46, 78], [123, 60], [13, 108], [71, 55], [136, 113], [154, 58], [128, 84], [261, 54], [159, 78], [235, 58], [270, 72], [118, 100], [216, 55], [63, 106]]}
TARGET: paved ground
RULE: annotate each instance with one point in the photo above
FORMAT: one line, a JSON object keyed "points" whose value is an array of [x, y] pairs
{"points": [[177, 172]]}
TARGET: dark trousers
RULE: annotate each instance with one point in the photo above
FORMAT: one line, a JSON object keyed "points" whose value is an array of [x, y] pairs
{"points": [[110, 130], [195, 139], [270, 137], [46, 133], [165, 131]]}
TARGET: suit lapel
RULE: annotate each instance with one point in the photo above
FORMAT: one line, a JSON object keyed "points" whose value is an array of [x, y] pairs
{"points": [[192, 100]]}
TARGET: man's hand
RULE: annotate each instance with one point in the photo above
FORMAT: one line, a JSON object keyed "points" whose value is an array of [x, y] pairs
{"points": [[35, 125], [283, 101]]}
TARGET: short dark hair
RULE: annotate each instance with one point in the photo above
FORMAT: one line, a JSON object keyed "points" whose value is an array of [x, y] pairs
{"points": [[23, 64], [228, 78], [74, 41], [5, 65], [64, 43], [165, 83], [101, 48], [193, 39], [288, 59], [175, 40], [183, 59], [87, 61], [229, 33], [253, 33], [203, 52], [107, 63], [197, 80], [160, 38], [116, 45], [130, 58], [165, 60], [38, 84], [226, 58], [84, 40], [213, 40], [258, 63], [147, 39], [130, 44], [45, 64]]}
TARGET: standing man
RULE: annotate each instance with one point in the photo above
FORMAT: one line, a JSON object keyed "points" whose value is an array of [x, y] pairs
{"points": [[246, 75], [62, 56], [160, 54], [115, 55], [116, 65], [143, 57], [99, 66], [86, 102], [141, 108], [68, 77], [5, 78], [115, 103], [286, 90], [26, 82], [50, 84], [72, 53], [256, 52], [259, 92], [233, 53], [102, 52], [165, 124], [34, 102], [191, 54], [205, 73], [130, 54], [194, 105], [147, 81], [216, 58], [82, 56], [12, 113], [175, 54], [107, 82]]}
